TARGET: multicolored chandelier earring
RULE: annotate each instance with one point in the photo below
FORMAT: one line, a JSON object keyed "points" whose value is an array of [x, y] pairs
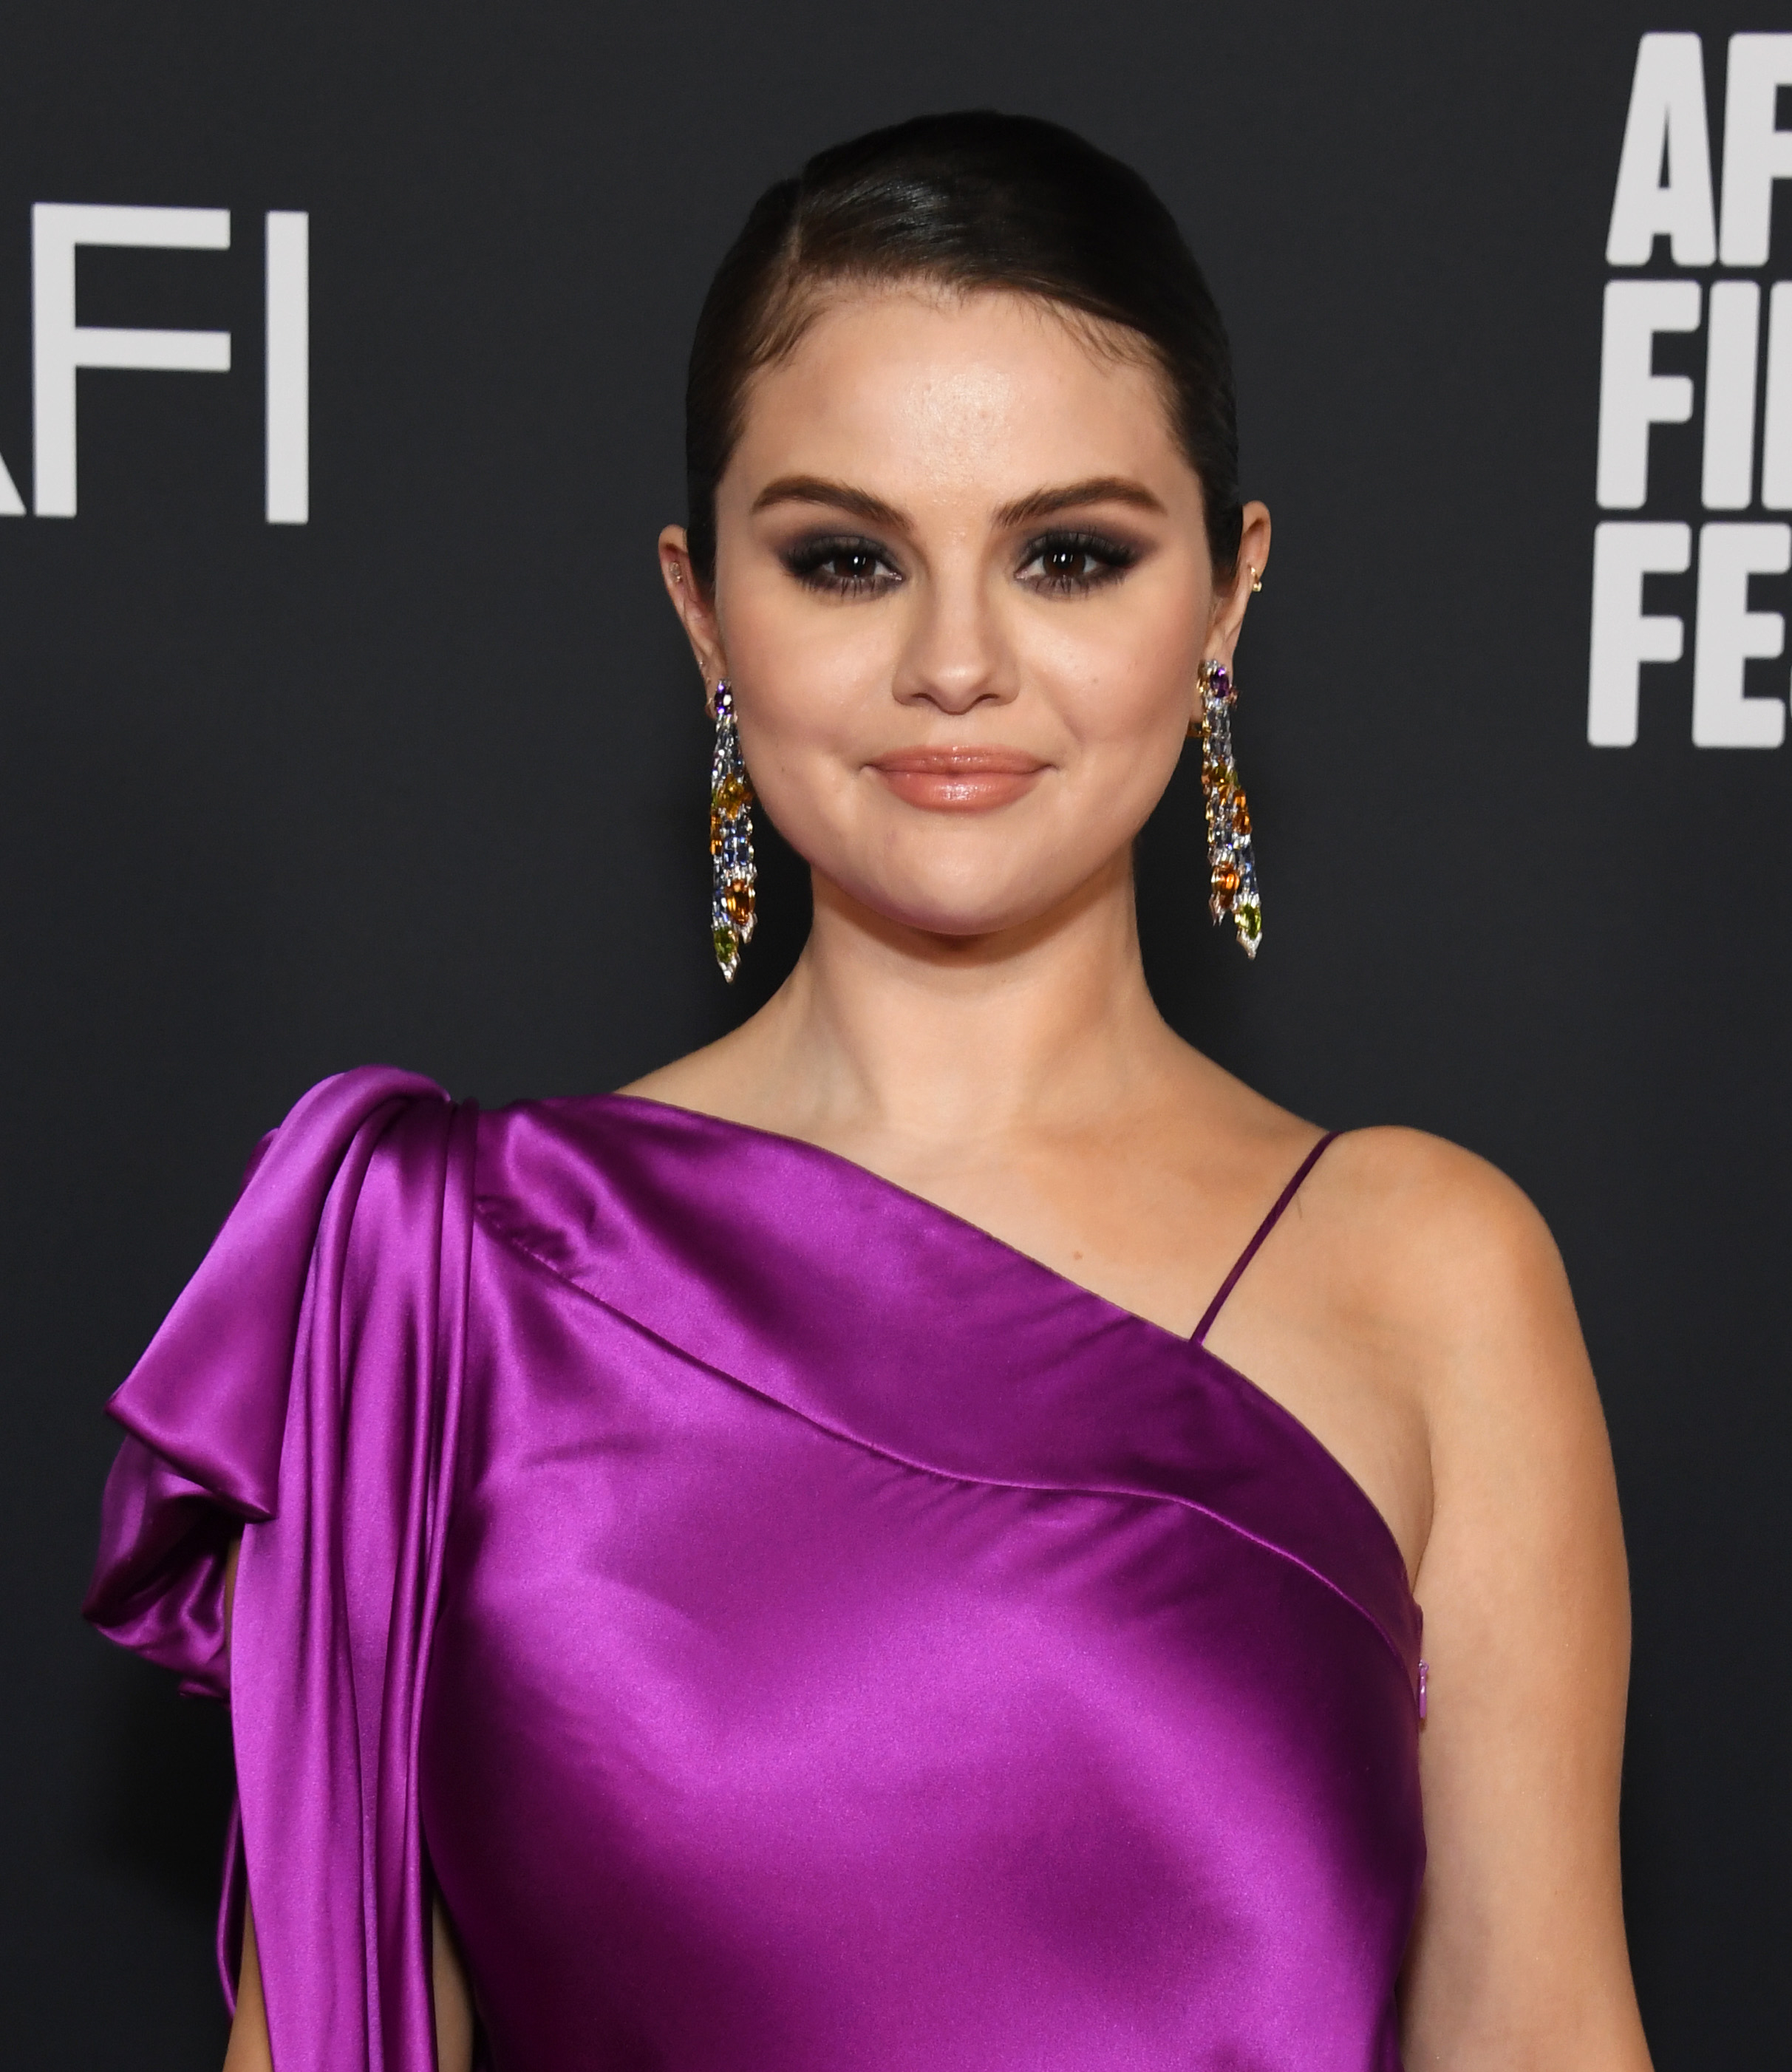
{"points": [[1231, 866], [732, 875]]}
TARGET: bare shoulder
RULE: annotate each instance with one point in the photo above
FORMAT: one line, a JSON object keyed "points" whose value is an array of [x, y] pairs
{"points": [[701, 1080], [1432, 1228], [1447, 1274], [1398, 1169], [1450, 1268]]}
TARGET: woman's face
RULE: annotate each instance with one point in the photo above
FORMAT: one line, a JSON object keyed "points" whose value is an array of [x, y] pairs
{"points": [[963, 591]]}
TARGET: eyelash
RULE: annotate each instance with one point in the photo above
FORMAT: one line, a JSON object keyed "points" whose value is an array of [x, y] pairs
{"points": [[808, 562], [1112, 558]]}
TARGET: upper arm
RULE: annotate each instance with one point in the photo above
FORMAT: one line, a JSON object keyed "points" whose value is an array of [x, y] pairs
{"points": [[1518, 1955]]}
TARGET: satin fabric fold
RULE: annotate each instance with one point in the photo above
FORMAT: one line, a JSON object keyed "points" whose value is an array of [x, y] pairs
{"points": [[868, 1307], [303, 1390], [794, 1629]]}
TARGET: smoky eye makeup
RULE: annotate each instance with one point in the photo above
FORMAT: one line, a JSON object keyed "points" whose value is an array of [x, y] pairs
{"points": [[841, 563], [1069, 561], [1061, 561]]}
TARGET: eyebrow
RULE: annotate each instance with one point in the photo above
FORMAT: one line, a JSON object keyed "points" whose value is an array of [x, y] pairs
{"points": [[1098, 489], [841, 495], [1041, 503]]}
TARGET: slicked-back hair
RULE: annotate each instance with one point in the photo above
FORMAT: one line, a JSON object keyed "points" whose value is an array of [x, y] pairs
{"points": [[968, 201]]}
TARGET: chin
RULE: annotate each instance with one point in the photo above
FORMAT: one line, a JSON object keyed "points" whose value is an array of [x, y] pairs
{"points": [[955, 908], [968, 875]]}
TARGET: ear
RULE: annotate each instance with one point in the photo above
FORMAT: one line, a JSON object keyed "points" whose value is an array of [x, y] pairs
{"points": [[1230, 603], [696, 609]]}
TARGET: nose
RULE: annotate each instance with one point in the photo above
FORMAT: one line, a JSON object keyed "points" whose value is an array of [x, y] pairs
{"points": [[957, 655]]}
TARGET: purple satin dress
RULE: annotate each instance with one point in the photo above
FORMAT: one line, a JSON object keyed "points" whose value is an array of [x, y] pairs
{"points": [[796, 1631]]}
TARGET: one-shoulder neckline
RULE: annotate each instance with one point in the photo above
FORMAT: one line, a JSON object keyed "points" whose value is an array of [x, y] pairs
{"points": [[1066, 1285]]}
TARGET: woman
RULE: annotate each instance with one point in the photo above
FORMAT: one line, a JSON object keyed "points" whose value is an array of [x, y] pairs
{"points": [[783, 1566]]}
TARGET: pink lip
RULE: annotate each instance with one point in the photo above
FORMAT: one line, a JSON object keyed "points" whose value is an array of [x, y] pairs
{"points": [[958, 780]]}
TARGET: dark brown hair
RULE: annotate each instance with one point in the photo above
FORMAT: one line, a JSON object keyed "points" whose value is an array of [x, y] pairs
{"points": [[971, 200]]}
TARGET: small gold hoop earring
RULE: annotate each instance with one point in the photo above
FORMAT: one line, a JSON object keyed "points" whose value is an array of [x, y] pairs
{"points": [[1256, 581]]}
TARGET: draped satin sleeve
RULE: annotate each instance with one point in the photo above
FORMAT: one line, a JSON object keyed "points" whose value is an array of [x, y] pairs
{"points": [[304, 1391]]}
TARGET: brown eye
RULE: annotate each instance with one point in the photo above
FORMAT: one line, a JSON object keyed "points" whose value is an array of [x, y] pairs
{"points": [[855, 564], [1064, 564], [842, 567]]}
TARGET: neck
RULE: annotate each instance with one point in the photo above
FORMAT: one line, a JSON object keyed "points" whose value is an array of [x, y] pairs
{"points": [[890, 1031]]}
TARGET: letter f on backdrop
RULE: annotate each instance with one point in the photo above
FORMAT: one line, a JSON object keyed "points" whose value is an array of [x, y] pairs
{"points": [[60, 347]]}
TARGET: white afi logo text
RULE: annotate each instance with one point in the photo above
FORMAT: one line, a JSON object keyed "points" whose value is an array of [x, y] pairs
{"points": [[61, 346], [1665, 189]]}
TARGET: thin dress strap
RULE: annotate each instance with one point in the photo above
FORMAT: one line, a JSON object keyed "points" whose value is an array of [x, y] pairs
{"points": [[1263, 1229]]}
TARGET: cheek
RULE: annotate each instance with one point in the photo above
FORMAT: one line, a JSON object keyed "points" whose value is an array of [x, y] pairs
{"points": [[1120, 673], [807, 671], [769, 619]]}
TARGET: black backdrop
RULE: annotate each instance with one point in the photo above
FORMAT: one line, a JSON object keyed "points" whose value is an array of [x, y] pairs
{"points": [[423, 780]]}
